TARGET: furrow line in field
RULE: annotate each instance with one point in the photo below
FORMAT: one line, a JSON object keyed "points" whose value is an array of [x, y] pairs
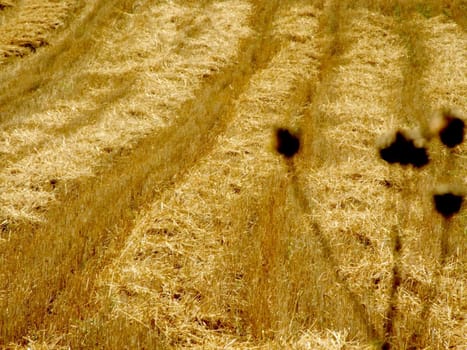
{"points": [[23, 77], [130, 87], [92, 209], [160, 85], [356, 102], [164, 276], [438, 66]]}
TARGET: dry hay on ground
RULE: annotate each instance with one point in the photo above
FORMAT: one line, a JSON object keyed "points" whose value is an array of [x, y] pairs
{"points": [[31, 25], [166, 148]]}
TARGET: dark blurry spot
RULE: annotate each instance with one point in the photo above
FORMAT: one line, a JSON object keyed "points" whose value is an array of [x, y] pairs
{"points": [[53, 183], [287, 143], [419, 157], [397, 244], [386, 183], [139, 256], [363, 239], [239, 276], [160, 231], [403, 150], [30, 47], [356, 176], [4, 226], [397, 281], [213, 324], [235, 188], [447, 204], [452, 134]]}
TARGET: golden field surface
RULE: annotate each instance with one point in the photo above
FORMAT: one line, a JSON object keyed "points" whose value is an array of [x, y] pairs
{"points": [[143, 204]]}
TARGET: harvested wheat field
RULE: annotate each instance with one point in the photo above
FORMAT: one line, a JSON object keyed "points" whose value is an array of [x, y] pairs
{"points": [[233, 174]]}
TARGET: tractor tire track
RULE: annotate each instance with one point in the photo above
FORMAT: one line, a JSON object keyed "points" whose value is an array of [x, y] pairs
{"points": [[440, 84], [169, 257], [26, 186], [132, 177], [355, 103], [136, 153], [24, 76], [68, 114]]}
